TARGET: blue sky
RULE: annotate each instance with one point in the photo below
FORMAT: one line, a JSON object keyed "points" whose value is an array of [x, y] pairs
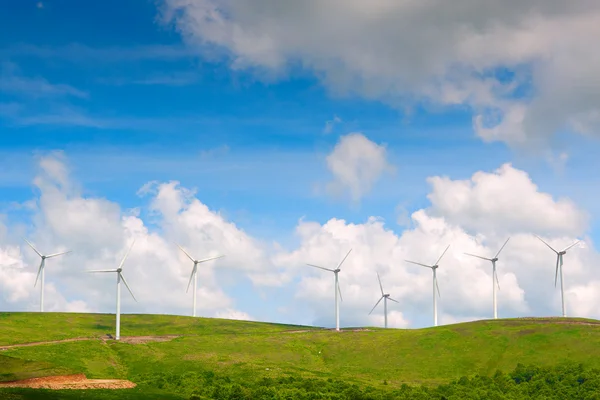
{"points": [[129, 99]]}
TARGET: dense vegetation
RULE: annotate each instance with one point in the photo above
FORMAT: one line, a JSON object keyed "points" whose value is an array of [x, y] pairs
{"points": [[569, 381], [221, 359]]}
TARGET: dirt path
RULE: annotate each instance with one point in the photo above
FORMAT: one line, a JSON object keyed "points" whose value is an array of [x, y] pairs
{"points": [[124, 339], [77, 381], [39, 343]]}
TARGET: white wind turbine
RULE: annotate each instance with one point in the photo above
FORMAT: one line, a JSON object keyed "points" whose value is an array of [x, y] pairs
{"points": [[385, 298], [119, 278], [336, 288], [433, 267], [494, 275], [559, 265], [41, 271], [194, 274]]}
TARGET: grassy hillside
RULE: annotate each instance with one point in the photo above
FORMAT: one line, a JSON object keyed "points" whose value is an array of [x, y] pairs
{"points": [[248, 350]]}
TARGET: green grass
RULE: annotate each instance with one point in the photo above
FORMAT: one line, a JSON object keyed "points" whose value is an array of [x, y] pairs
{"points": [[12, 369], [250, 350], [34, 327]]}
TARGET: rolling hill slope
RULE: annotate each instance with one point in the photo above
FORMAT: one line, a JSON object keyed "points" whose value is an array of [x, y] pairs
{"points": [[251, 350]]}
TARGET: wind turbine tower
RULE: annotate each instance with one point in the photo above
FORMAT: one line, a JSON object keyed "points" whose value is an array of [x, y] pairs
{"points": [[120, 278], [433, 267], [559, 265], [385, 298], [336, 288], [494, 275], [194, 275], [41, 271]]}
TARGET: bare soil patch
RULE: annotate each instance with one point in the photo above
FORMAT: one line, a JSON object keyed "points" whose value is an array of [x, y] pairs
{"points": [[77, 381], [146, 339]]}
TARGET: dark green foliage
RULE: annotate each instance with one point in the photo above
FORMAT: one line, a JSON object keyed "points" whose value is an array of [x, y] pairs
{"points": [[568, 381]]}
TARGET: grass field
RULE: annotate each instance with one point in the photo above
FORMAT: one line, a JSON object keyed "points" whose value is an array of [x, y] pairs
{"points": [[250, 350]]}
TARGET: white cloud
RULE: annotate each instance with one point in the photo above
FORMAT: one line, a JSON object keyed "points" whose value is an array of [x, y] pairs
{"points": [[505, 200], [525, 269], [356, 164], [14, 82], [407, 52], [99, 232], [329, 125], [233, 314]]}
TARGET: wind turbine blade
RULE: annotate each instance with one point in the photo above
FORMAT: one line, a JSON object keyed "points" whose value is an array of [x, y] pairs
{"points": [[550, 247], [316, 266], [556, 274], [497, 282], [191, 276], [381, 287], [58, 254], [395, 301], [38, 274], [339, 291], [101, 270], [208, 259], [416, 263], [577, 242], [439, 259], [378, 301], [498, 253], [127, 286], [483, 258], [126, 254], [186, 253], [438, 288], [34, 249], [344, 259]]}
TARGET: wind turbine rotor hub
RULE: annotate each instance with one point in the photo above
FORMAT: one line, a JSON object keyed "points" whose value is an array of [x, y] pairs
{"points": [[495, 259], [434, 266], [337, 270], [119, 269], [562, 253]]}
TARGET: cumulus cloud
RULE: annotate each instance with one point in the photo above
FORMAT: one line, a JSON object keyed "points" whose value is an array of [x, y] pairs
{"points": [[524, 68], [99, 232], [356, 164], [459, 216], [505, 200]]}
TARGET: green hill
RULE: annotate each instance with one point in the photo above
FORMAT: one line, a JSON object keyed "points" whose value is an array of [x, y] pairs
{"points": [[244, 350]]}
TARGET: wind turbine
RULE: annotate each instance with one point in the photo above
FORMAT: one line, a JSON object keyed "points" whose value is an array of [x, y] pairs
{"points": [[119, 278], [336, 288], [494, 275], [559, 264], [41, 271], [385, 298], [433, 267], [194, 274]]}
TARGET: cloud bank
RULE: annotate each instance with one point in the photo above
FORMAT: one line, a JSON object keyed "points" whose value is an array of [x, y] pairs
{"points": [[525, 69], [471, 215]]}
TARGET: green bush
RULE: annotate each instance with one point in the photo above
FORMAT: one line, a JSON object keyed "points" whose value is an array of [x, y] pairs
{"points": [[571, 381]]}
